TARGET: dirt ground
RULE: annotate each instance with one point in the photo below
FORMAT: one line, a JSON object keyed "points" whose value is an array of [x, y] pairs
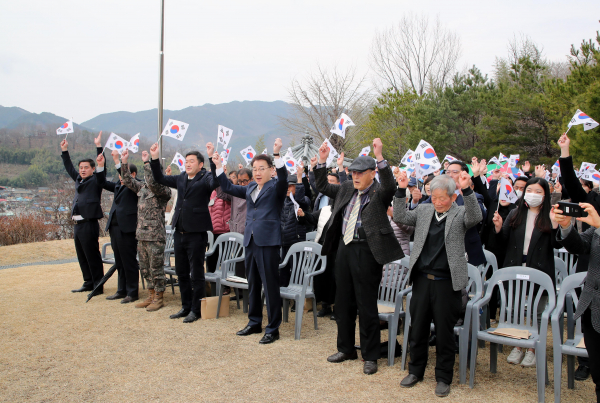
{"points": [[57, 348], [41, 251]]}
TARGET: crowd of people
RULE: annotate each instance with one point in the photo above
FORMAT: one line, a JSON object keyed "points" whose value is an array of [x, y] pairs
{"points": [[365, 215]]}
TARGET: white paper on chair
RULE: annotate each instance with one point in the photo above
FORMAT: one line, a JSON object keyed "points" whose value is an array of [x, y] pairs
{"points": [[512, 333], [581, 343], [385, 309], [236, 279]]}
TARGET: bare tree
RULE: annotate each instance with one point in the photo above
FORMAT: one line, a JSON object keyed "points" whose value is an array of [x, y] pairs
{"points": [[415, 54], [319, 100]]}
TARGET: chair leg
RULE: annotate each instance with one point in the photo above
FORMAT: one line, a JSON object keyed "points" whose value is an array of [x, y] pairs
{"points": [[286, 309], [314, 304], [557, 375], [220, 292], [570, 372], [237, 296], [392, 337], [405, 339], [143, 282], [540, 358], [473, 359], [298, 322], [172, 285], [463, 352], [493, 358]]}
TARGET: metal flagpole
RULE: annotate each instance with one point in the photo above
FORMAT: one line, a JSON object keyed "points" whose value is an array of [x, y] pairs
{"points": [[160, 80]]}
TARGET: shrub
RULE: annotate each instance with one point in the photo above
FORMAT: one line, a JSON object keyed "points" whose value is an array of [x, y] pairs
{"points": [[25, 228]]}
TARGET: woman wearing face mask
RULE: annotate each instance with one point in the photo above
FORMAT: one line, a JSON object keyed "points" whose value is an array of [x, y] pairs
{"points": [[528, 234]]}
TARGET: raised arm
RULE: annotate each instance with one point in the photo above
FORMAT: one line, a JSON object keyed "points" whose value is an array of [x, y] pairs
{"points": [[281, 185], [170, 181], [570, 181], [403, 216], [222, 181], [71, 171], [128, 180]]}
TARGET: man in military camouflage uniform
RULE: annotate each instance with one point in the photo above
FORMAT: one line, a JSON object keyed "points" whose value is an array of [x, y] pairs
{"points": [[150, 232]]}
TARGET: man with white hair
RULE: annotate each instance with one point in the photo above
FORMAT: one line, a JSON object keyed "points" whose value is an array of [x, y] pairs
{"points": [[438, 271]]}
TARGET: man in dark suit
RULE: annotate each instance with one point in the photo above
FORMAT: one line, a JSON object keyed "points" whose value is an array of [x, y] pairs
{"points": [[366, 241], [262, 237], [333, 178], [86, 212], [121, 225], [191, 221]]}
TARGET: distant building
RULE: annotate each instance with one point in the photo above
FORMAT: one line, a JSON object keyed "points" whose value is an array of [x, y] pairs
{"points": [[304, 151]]}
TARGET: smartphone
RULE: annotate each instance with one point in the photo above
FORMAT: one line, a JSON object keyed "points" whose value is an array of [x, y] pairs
{"points": [[572, 209]]}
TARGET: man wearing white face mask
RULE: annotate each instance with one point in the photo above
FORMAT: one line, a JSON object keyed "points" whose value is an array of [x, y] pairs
{"points": [[529, 237]]}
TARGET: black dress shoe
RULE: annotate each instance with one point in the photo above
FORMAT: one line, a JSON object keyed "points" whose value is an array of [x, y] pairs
{"points": [[83, 289], [128, 299], [582, 373], [181, 314], [248, 330], [370, 367], [410, 380], [325, 311], [192, 317], [269, 338], [116, 296], [341, 357], [442, 389], [333, 317]]}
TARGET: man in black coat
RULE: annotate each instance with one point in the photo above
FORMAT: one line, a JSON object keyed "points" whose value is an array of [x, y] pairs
{"points": [[121, 225], [579, 192], [366, 241], [86, 212], [191, 221]]}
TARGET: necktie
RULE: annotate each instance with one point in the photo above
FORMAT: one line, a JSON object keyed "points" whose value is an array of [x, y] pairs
{"points": [[349, 234]]}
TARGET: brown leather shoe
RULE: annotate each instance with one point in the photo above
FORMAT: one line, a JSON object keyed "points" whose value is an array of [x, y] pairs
{"points": [[341, 357], [370, 367], [157, 303], [147, 301]]}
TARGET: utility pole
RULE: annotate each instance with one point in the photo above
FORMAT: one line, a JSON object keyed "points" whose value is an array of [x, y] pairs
{"points": [[160, 80]]}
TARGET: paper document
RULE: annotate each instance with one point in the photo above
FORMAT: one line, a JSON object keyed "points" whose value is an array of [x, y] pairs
{"points": [[237, 279], [512, 333]]}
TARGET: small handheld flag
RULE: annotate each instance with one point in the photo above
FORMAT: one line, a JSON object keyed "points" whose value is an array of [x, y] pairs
{"points": [[66, 128], [426, 159], [265, 152], [507, 193], [224, 135], [116, 142], [449, 158], [365, 151], [134, 143], [179, 160], [580, 118], [225, 156], [333, 154], [341, 125], [248, 153], [291, 164], [502, 157], [408, 158], [175, 129], [513, 160]]}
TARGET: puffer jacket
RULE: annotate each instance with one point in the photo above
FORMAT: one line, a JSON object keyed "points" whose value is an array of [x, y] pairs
{"points": [[291, 230], [403, 233], [220, 213]]}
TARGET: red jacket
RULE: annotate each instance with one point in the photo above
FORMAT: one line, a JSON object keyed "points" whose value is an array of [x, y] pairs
{"points": [[220, 213]]}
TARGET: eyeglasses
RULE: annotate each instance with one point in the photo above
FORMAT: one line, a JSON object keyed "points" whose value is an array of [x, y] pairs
{"points": [[261, 170], [243, 181]]}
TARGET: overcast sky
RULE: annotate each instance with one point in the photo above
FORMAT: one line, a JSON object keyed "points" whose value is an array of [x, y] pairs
{"points": [[83, 58]]}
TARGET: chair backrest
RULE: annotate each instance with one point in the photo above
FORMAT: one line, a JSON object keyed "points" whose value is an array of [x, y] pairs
{"points": [[520, 293], [560, 271], [211, 239], [568, 286], [168, 245], [310, 236], [491, 262], [475, 284], [306, 258], [573, 269], [231, 245], [566, 257], [410, 245], [394, 279]]}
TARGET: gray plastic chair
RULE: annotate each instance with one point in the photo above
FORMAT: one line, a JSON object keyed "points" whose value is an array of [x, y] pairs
{"points": [[169, 251], [231, 247], [392, 290], [475, 292], [520, 282], [211, 240], [573, 269], [560, 272], [410, 246], [310, 236], [306, 257], [566, 257], [567, 299], [106, 260]]}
